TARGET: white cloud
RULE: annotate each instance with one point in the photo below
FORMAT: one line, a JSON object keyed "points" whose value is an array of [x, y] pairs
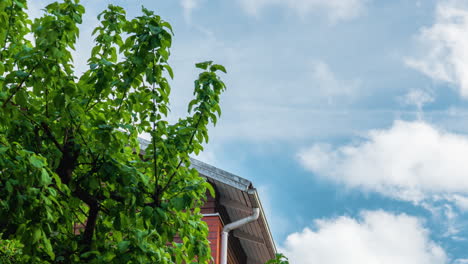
{"points": [[189, 6], [329, 86], [418, 98], [444, 56], [336, 10], [378, 237], [411, 161], [447, 216], [460, 201]]}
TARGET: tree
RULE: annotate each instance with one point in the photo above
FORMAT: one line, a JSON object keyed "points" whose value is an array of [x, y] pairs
{"points": [[75, 186]]}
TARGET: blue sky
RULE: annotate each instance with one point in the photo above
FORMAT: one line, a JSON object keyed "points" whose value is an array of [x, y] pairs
{"points": [[349, 116]]}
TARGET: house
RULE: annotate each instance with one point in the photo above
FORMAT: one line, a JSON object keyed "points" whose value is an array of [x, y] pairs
{"points": [[236, 209], [237, 212]]}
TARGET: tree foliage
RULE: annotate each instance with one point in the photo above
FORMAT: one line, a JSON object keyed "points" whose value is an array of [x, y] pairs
{"points": [[75, 186], [279, 259]]}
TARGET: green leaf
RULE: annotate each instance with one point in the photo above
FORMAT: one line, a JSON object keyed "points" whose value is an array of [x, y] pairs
{"points": [[93, 183], [123, 246], [36, 235], [217, 67], [89, 254], [21, 74], [21, 98], [147, 212], [18, 3], [178, 203], [169, 70], [191, 104], [59, 101], [45, 177], [167, 25], [210, 188], [36, 162], [3, 149], [8, 186], [56, 52], [203, 65], [106, 62], [48, 247], [108, 256], [155, 30]]}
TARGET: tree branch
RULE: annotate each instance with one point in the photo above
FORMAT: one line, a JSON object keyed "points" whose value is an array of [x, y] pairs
{"points": [[51, 136], [44, 127], [180, 162], [92, 215], [18, 87], [65, 171], [157, 189]]}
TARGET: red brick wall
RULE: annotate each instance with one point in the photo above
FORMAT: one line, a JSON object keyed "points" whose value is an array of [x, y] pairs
{"points": [[215, 227]]}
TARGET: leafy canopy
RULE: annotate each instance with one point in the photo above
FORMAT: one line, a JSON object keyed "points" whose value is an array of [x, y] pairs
{"points": [[75, 186]]}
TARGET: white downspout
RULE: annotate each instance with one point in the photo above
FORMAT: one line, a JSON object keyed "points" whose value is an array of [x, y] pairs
{"points": [[232, 226]]}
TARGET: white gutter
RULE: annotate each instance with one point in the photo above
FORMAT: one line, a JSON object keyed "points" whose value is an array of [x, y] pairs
{"points": [[232, 226]]}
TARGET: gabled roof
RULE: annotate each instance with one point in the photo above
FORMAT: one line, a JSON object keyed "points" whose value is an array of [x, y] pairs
{"points": [[238, 196]]}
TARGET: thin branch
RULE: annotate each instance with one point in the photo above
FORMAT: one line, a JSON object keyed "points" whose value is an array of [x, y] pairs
{"points": [[47, 101], [157, 189], [44, 127], [18, 87], [51, 136], [93, 105], [180, 162], [121, 101]]}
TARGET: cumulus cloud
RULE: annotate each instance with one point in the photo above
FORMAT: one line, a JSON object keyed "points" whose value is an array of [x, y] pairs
{"points": [[377, 237], [444, 56], [336, 10], [411, 161]]}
